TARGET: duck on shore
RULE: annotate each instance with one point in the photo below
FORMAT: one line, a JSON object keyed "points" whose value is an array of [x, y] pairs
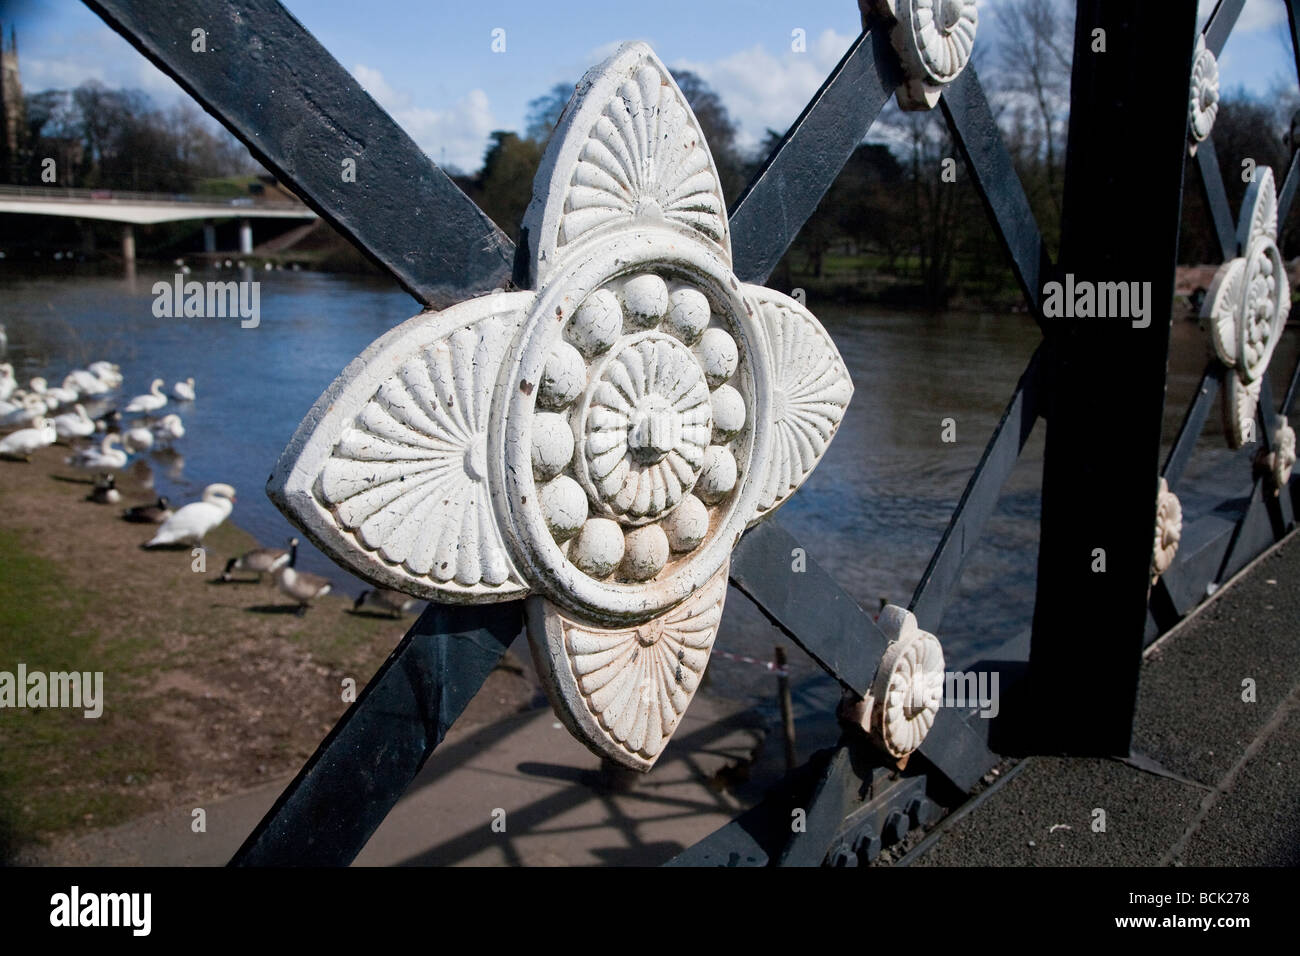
{"points": [[261, 561], [190, 523]]}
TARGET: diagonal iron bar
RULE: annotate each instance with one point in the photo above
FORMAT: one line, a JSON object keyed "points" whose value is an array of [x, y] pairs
{"points": [[977, 134], [345, 790], [785, 192], [1286, 196], [1216, 198], [272, 84], [978, 500], [1193, 424], [1220, 24], [807, 605]]}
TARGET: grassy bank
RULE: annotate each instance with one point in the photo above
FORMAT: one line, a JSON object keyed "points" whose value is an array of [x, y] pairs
{"points": [[209, 688]]}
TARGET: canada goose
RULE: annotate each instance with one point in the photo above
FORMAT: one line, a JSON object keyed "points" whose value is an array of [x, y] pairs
{"points": [[74, 424], [301, 587], [390, 602], [105, 491], [190, 523], [22, 443], [184, 391], [104, 458], [110, 421], [262, 561], [150, 401], [156, 513]]}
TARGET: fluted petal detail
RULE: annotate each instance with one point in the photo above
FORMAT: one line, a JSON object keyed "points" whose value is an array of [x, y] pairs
{"points": [[811, 392], [388, 473]]}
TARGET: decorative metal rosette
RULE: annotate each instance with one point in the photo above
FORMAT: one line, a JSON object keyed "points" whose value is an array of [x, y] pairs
{"points": [[934, 40], [1246, 308], [1169, 530], [598, 443], [1281, 457], [907, 691], [1203, 105]]}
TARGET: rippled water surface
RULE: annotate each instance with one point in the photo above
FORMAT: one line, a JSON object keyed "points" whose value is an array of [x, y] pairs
{"points": [[871, 514]]}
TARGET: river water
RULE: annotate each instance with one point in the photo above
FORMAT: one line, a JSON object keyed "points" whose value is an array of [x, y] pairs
{"points": [[871, 514]]}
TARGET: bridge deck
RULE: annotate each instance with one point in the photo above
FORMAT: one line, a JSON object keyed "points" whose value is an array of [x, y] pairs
{"points": [[139, 208], [1235, 803]]}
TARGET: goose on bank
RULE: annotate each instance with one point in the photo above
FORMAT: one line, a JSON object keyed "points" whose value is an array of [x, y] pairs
{"points": [[74, 424], [383, 599], [150, 401], [302, 587], [262, 561], [156, 513], [20, 445], [105, 491], [190, 523], [184, 391], [106, 457]]}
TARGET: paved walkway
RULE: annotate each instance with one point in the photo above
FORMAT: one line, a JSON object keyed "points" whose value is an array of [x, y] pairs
{"points": [[557, 810], [1233, 797]]}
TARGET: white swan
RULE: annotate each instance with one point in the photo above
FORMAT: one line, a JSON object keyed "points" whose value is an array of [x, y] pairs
{"points": [[150, 401], [32, 408], [53, 393], [104, 458], [87, 383], [106, 372], [168, 429], [137, 439], [22, 443], [74, 424], [7, 381], [190, 523], [184, 391]]}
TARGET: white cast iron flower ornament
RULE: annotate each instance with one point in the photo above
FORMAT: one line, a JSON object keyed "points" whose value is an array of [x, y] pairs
{"points": [[1203, 99], [598, 443], [933, 39], [1246, 308]]}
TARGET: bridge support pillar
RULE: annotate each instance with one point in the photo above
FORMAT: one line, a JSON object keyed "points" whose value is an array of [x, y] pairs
{"points": [[209, 237], [128, 247], [245, 236]]}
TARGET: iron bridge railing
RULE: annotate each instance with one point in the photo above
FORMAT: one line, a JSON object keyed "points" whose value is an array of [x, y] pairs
{"points": [[1099, 386]]}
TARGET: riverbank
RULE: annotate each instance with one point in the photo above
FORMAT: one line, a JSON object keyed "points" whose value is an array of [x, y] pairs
{"points": [[210, 689]]}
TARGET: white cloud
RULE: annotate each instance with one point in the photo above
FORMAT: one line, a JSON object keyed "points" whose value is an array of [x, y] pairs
{"points": [[765, 91], [455, 136]]}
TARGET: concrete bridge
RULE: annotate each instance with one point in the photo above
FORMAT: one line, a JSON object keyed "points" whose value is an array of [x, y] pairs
{"points": [[131, 209]]}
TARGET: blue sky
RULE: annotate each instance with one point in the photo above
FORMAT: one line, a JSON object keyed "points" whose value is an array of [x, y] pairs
{"points": [[430, 62]]}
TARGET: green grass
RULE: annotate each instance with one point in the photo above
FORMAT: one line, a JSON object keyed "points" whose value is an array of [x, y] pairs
{"points": [[49, 628]]}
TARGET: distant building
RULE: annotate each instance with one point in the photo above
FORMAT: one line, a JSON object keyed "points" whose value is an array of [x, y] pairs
{"points": [[11, 108]]}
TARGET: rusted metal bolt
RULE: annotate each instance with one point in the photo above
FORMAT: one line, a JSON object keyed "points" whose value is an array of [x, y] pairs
{"points": [[896, 827]]}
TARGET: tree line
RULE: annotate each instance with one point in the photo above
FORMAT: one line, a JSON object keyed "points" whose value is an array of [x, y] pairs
{"points": [[902, 224]]}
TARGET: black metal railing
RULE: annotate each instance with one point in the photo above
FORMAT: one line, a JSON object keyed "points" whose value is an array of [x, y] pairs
{"points": [[1099, 386]]}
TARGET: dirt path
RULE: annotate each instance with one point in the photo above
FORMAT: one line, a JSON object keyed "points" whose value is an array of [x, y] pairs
{"points": [[210, 688]]}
